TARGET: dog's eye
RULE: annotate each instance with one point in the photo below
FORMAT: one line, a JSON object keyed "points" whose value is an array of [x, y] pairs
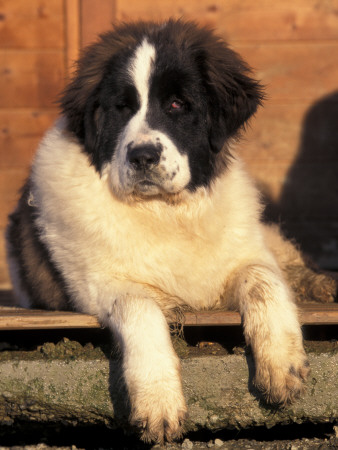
{"points": [[122, 106], [176, 105]]}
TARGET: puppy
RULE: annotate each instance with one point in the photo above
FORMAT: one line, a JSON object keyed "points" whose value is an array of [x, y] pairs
{"points": [[137, 204]]}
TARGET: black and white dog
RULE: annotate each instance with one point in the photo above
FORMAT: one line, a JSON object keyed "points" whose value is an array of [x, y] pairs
{"points": [[137, 204]]}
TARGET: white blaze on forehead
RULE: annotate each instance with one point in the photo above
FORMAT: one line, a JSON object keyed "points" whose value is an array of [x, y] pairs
{"points": [[173, 172], [140, 70]]}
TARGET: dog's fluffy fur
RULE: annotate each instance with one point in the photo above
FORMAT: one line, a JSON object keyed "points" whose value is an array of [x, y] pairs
{"points": [[137, 204]]}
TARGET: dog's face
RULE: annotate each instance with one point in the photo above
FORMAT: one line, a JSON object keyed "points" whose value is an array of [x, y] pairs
{"points": [[157, 121], [155, 105]]}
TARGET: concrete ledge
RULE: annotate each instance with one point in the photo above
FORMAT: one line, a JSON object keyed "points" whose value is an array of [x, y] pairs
{"points": [[216, 388]]}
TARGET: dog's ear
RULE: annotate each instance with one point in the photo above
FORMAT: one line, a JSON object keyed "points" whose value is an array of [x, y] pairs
{"points": [[79, 101], [93, 125], [85, 116], [233, 95]]}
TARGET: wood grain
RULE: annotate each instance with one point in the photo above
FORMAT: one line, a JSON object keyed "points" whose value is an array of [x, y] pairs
{"points": [[96, 20], [23, 319], [310, 314], [20, 134], [31, 24], [293, 72], [72, 20], [4, 275], [274, 133], [247, 19], [31, 79]]}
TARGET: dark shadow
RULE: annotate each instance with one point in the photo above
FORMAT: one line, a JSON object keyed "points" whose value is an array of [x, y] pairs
{"points": [[121, 405], [252, 370], [269, 408], [118, 392], [250, 360], [308, 205]]}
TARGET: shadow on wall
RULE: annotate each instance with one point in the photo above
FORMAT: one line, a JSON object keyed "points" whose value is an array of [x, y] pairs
{"points": [[308, 205]]}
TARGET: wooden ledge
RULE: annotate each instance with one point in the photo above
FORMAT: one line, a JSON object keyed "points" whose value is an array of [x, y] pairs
{"points": [[27, 319], [310, 314], [35, 319]]}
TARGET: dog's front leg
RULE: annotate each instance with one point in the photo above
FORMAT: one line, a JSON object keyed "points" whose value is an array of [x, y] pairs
{"points": [[151, 367], [272, 330]]}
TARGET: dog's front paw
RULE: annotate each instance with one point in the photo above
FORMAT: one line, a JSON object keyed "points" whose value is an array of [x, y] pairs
{"points": [[159, 412], [281, 382]]}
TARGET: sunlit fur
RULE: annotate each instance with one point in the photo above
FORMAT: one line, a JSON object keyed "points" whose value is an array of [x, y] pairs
{"points": [[86, 236]]}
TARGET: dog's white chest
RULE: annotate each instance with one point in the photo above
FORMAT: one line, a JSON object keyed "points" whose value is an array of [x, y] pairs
{"points": [[100, 243], [177, 262]]}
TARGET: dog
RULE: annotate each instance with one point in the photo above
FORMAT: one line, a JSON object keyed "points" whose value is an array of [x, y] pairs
{"points": [[137, 205]]}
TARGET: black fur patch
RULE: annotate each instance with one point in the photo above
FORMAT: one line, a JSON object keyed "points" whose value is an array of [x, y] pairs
{"points": [[193, 66], [39, 277]]}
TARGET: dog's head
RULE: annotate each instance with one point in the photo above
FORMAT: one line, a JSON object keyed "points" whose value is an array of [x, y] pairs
{"points": [[154, 106]]}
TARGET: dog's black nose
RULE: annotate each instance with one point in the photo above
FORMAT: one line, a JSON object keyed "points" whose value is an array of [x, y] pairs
{"points": [[144, 157]]}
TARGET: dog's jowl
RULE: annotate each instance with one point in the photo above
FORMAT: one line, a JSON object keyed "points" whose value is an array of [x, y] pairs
{"points": [[137, 203]]}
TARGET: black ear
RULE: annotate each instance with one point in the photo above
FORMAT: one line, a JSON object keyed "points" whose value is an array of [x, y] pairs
{"points": [[85, 117], [233, 96], [79, 97], [93, 125], [79, 101]]}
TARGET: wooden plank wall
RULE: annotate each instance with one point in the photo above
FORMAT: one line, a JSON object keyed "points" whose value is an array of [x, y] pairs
{"points": [[292, 146], [32, 70]]}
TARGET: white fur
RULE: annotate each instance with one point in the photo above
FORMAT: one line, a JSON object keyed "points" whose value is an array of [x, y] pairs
{"points": [[140, 70], [186, 251], [172, 174], [152, 376], [125, 262]]}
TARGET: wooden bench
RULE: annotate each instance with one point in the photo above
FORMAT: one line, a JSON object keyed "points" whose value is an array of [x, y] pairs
{"points": [[12, 318]]}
